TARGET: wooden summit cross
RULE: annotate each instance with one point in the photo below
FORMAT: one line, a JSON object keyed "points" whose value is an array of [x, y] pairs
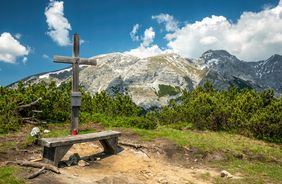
{"points": [[75, 60]]}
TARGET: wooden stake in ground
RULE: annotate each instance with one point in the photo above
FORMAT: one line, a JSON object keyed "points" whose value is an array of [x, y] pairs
{"points": [[75, 60]]}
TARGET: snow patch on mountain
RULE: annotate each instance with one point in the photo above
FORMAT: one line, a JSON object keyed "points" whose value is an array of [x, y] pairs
{"points": [[141, 78], [47, 75]]}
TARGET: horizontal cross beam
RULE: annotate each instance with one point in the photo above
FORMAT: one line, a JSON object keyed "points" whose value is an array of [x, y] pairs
{"points": [[73, 60]]}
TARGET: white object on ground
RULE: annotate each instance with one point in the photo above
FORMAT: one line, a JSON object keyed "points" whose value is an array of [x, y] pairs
{"points": [[35, 132], [46, 131], [224, 173]]}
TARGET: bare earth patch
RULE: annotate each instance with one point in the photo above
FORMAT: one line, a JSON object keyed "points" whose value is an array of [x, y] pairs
{"points": [[158, 161], [129, 166]]}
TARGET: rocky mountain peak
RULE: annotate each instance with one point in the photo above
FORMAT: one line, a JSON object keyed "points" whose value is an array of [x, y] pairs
{"points": [[272, 67], [153, 81], [275, 58], [218, 55]]}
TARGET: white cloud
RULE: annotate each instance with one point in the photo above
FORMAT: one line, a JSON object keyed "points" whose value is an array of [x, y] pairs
{"points": [[133, 33], [81, 41], [254, 36], [58, 25], [208, 40], [18, 36], [144, 52], [147, 39], [146, 49], [45, 56], [24, 60], [170, 23], [149, 36], [267, 6], [10, 48]]}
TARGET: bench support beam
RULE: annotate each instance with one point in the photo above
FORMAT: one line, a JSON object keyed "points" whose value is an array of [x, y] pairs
{"points": [[110, 145], [54, 155], [55, 148]]}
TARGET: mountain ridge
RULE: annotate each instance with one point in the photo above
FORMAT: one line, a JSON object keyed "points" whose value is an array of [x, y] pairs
{"points": [[144, 79]]}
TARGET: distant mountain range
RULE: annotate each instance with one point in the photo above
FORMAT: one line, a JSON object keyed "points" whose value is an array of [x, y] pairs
{"points": [[152, 81]]}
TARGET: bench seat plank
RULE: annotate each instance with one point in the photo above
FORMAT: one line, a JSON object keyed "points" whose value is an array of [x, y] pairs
{"points": [[70, 140]]}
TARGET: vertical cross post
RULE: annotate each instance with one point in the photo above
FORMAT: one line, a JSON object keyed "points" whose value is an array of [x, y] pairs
{"points": [[76, 96], [75, 60]]}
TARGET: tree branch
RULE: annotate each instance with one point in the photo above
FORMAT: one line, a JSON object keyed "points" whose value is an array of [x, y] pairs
{"points": [[34, 164], [30, 104], [37, 173]]}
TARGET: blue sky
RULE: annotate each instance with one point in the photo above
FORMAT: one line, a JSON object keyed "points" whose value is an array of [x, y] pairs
{"points": [[105, 26]]}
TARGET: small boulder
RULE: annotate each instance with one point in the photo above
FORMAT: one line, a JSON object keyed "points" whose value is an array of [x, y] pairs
{"points": [[162, 181], [82, 163], [224, 173], [113, 179], [73, 159]]}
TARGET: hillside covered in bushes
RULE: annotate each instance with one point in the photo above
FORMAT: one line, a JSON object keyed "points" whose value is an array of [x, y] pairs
{"points": [[245, 112]]}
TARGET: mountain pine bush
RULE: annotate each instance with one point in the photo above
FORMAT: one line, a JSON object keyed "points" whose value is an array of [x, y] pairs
{"points": [[246, 112]]}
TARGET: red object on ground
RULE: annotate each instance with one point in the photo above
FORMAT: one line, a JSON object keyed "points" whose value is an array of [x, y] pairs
{"points": [[74, 132]]}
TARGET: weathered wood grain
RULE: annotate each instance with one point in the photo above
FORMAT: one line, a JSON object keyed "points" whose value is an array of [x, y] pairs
{"points": [[37, 173], [75, 60], [63, 141], [71, 60], [34, 164]]}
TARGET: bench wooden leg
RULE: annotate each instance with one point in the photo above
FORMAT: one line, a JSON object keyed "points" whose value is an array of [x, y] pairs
{"points": [[110, 145], [54, 155]]}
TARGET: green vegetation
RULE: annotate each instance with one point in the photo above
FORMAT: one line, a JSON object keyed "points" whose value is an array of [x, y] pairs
{"points": [[245, 112], [65, 132], [254, 171], [7, 175], [167, 90], [241, 84], [258, 161], [206, 120], [53, 105], [127, 122], [209, 141], [52, 101], [7, 145]]}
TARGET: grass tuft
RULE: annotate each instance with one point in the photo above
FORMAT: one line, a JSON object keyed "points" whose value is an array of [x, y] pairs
{"points": [[260, 162], [7, 176]]}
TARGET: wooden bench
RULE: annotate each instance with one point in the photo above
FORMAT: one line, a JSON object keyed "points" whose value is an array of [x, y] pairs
{"points": [[55, 148]]}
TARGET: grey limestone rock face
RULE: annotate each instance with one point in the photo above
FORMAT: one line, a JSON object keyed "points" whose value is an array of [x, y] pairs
{"points": [[147, 80]]}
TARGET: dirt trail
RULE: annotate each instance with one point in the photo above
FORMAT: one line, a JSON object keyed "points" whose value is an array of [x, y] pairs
{"points": [[158, 161], [129, 166]]}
